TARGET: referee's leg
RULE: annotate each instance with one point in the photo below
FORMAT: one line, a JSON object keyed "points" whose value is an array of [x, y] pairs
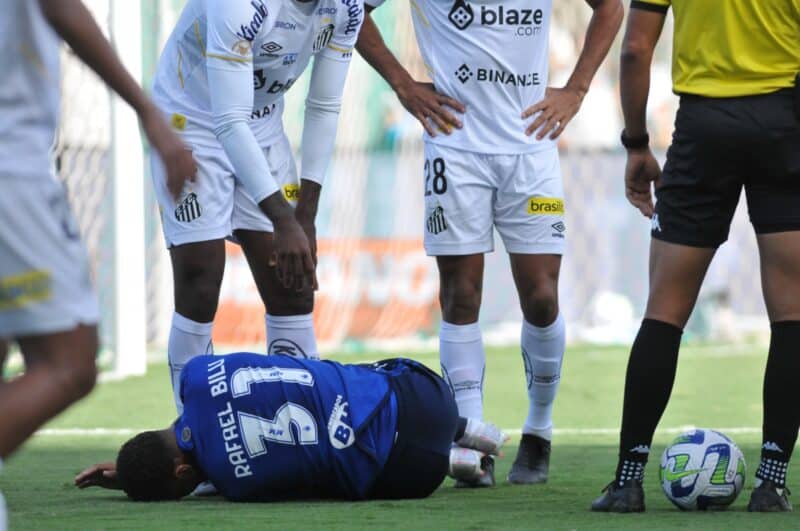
{"points": [[780, 278]]}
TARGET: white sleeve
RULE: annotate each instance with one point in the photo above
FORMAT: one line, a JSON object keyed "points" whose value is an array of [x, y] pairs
{"points": [[232, 25], [324, 101], [322, 116]]}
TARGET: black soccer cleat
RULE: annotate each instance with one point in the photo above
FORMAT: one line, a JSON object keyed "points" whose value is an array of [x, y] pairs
{"points": [[532, 462], [486, 480], [769, 498], [628, 498]]}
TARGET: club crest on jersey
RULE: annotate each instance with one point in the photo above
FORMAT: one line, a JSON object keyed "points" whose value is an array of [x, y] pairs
{"points": [[323, 38], [461, 15], [189, 209], [249, 31], [340, 434]]}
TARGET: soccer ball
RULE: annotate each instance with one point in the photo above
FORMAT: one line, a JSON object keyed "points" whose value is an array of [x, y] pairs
{"points": [[702, 469]]}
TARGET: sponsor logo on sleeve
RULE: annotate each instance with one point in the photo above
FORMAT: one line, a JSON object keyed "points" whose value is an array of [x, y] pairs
{"points": [[355, 15], [548, 206], [340, 434], [178, 121], [249, 30]]}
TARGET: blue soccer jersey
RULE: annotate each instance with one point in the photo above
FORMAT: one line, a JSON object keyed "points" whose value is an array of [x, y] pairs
{"points": [[268, 427]]}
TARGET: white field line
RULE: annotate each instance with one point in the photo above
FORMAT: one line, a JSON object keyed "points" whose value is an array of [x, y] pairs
{"points": [[100, 432]]}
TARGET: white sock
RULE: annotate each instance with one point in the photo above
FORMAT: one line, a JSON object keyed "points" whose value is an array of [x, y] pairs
{"points": [[187, 339], [542, 352], [292, 335], [463, 364]]}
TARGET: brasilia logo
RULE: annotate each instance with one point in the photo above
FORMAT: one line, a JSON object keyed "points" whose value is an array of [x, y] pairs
{"points": [[463, 73], [461, 14]]}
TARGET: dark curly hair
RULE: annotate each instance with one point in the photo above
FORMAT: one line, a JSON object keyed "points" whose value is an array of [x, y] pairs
{"points": [[145, 468]]}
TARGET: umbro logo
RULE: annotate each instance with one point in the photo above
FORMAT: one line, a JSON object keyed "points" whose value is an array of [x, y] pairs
{"points": [[189, 209], [463, 73], [559, 227], [436, 222], [461, 15], [271, 47]]}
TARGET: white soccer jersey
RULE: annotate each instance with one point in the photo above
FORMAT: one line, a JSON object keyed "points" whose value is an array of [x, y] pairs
{"points": [[280, 36], [29, 90], [492, 57]]}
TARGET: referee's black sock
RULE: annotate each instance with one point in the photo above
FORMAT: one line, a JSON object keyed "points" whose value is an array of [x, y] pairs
{"points": [[781, 402], [648, 384]]}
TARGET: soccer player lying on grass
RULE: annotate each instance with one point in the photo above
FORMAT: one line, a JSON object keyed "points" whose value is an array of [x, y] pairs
{"points": [[278, 427]]}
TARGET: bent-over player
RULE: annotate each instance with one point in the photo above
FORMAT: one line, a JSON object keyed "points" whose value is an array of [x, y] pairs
{"points": [[221, 80]]}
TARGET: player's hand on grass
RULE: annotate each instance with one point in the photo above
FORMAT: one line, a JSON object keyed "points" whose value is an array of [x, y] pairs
{"points": [[555, 111], [430, 107], [294, 260], [178, 163], [100, 475], [642, 172]]}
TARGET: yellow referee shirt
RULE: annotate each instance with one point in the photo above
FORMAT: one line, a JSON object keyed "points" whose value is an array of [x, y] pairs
{"points": [[726, 48]]}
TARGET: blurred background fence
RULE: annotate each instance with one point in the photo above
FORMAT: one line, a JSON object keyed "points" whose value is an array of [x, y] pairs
{"points": [[377, 288]]}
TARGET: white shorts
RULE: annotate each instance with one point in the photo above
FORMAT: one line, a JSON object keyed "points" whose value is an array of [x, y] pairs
{"points": [[466, 194], [216, 204], [45, 285]]}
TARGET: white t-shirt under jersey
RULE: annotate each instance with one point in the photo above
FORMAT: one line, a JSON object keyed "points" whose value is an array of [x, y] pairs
{"points": [[29, 90], [492, 57]]}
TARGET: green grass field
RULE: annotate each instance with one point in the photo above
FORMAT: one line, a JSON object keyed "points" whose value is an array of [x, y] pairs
{"points": [[717, 386]]}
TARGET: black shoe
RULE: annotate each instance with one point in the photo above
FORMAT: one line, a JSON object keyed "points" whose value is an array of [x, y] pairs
{"points": [[486, 480], [532, 463], [628, 498], [769, 498]]}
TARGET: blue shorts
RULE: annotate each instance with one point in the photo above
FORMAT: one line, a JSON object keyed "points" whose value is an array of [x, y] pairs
{"points": [[427, 420]]}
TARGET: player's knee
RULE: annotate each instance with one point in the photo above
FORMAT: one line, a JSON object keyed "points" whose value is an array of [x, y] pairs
{"points": [[540, 305], [197, 294], [460, 301]]}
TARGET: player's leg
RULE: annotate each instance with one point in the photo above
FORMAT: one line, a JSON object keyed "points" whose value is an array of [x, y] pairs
{"points": [[60, 370], [543, 340], [459, 192], [529, 215], [194, 231], [47, 304], [197, 270], [289, 318]]}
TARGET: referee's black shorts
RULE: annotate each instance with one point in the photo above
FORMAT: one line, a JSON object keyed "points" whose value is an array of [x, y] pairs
{"points": [[721, 145], [427, 420]]}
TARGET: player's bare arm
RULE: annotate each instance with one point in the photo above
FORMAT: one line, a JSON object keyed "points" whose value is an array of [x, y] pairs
{"points": [[419, 98], [560, 105], [642, 170], [73, 22]]}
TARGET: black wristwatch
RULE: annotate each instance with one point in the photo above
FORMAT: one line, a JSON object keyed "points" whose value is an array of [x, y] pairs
{"points": [[637, 142]]}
